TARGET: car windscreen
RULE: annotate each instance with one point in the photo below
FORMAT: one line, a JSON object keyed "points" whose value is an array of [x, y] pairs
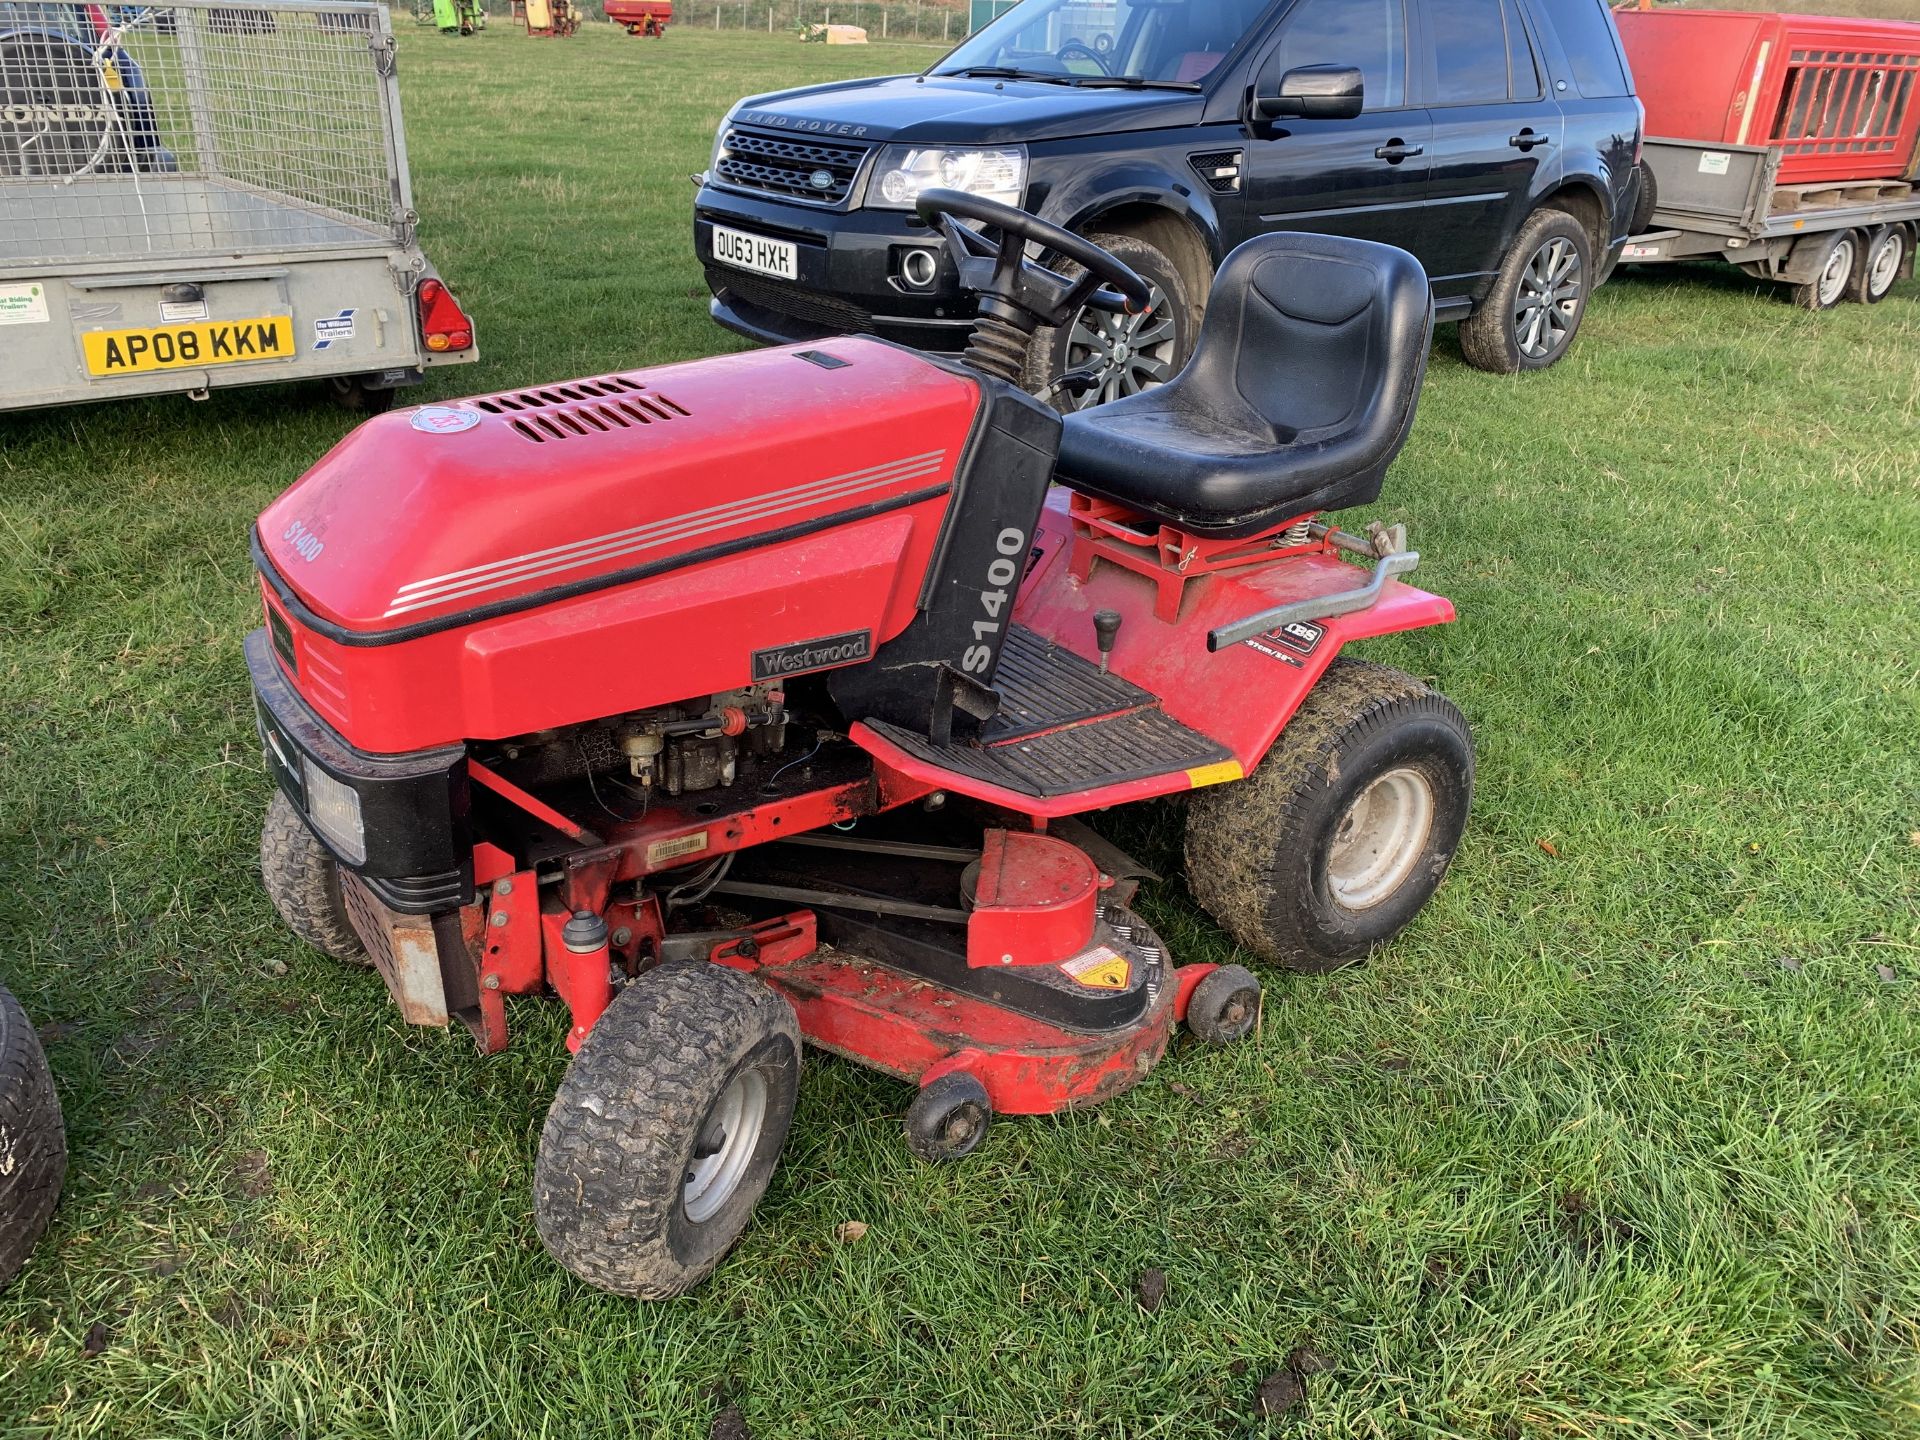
{"points": [[30, 15], [1175, 43]]}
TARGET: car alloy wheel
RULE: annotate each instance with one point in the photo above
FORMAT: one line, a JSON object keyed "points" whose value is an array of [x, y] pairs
{"points": [[1547, 307], [1129, 353]]}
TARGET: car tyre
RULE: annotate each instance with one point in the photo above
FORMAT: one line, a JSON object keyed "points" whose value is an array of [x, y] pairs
{"points": [[1340, 837], [33, 1141], [1131, 353], [1531, 316], [666, 1129]]}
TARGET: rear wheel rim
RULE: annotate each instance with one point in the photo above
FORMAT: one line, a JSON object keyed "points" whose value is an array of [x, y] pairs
{"points": [[1839, 270], [1380, 839], [1552, 288], [1129, 353], [724, 1150], [1884, 265]]}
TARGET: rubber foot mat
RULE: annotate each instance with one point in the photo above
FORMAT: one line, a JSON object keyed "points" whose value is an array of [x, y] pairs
{"points": [[1043, 687], [1064, 728]]}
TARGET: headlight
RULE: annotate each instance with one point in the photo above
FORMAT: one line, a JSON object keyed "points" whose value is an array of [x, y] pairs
{"points": [[334, 810], [720, 141], [903, 171]]}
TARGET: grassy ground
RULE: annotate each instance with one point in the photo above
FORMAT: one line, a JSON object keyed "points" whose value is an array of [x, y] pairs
{"points": [[1618, 1140]]}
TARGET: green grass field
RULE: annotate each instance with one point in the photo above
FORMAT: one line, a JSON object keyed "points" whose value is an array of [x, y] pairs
{"points": [[1619, 1140]]}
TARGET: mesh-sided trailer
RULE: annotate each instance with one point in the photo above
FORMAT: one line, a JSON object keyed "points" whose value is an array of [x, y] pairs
{"points": [[195, 195]]}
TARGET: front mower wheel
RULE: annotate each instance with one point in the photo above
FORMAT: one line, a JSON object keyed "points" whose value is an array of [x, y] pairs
{"points": [[666, 1129], [948, 1118], [1343, 833], [1224, 1006], [33, 1142], [303, 881]]}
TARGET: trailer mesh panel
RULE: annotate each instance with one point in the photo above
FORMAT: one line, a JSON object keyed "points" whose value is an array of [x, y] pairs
{"points": [[194, 129]]}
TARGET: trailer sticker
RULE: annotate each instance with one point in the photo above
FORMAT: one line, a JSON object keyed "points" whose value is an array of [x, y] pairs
{"points": [[176, 347], [329, 328], [23, 305], [177, 312], [1715, 162]]}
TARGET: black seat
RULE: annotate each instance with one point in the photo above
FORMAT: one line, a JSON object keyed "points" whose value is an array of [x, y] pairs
{"points": [[1300, 392]]}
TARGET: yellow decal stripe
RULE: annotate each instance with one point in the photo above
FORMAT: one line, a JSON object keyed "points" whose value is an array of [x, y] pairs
{"points": [[1214, 774]]}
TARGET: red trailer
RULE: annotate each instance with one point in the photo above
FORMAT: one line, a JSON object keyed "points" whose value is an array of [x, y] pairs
{"points": [[1779, 143], [641, 17], [1839, 99]]}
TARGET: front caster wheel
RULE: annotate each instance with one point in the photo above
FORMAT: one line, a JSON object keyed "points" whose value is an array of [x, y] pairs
{"points": [[948, 1118], [666, 1129], [1224, 1006], [1335, 843]]}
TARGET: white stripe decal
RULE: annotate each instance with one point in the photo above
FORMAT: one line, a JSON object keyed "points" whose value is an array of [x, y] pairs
{"points": [[912, 461], [461, 584]]}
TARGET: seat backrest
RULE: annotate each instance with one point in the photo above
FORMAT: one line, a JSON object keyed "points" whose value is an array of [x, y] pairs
{"points": [[1321, 337]]}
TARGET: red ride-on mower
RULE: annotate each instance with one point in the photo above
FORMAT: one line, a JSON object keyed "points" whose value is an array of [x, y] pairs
{"points": [[752, 700]]}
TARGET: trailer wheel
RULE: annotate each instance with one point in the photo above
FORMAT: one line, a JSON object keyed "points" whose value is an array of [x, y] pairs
{"points": [[1343, 833], [1884, 257], [1831, 272], [666, 1129], [1538, 299], [352, 394], [303, 881], [33, 1141]]}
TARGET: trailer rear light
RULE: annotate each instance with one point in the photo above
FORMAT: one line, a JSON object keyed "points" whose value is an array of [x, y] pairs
{"points": [[334, 809], [443, 324]]}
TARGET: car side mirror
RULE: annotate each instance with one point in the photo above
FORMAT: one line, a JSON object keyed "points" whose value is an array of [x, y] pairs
{"points": [[1312, 92]]}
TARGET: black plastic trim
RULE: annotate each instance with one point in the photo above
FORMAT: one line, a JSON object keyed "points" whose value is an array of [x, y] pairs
{"points": [[341, 635]]}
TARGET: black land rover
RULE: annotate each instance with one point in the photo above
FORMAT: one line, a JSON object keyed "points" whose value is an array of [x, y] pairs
{"points": [[1495, 139]]}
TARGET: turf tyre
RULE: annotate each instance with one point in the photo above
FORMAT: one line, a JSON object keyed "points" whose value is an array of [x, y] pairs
{"points": [[1262, 853], [33, 1141], [1492, 338], [303, 881], [614, 1176]]}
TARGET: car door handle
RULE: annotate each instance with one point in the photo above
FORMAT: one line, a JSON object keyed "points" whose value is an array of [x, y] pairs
{"points": [[1527, 139], [1394, 151]]}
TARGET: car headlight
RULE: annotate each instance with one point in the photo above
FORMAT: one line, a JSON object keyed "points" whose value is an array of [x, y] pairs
{"points": [[720, 142], [903, 171], [334, 809]]}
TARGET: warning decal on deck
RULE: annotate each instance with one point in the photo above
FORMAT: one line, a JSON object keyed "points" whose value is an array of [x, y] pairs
{"points": [[1101, 968]]}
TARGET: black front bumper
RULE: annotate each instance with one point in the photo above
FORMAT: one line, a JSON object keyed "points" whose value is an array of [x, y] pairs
{"points": [[849, 265], [413, 808]]}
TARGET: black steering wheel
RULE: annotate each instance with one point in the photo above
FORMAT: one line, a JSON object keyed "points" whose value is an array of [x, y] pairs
{"points": [[1012, 287], [1080, 47]]}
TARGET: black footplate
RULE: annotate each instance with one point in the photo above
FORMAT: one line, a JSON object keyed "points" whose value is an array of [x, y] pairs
{"points": [[1064, 728]]}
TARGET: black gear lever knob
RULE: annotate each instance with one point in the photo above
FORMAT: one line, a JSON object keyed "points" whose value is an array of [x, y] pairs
{"points": [[1106, 629]]}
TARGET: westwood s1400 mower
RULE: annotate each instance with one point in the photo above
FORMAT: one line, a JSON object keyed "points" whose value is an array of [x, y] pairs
{"points": [[751, 700]]}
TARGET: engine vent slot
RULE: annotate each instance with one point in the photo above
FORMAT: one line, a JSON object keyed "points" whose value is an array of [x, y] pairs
{"points": [[1219, 168], [581, 409]]}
